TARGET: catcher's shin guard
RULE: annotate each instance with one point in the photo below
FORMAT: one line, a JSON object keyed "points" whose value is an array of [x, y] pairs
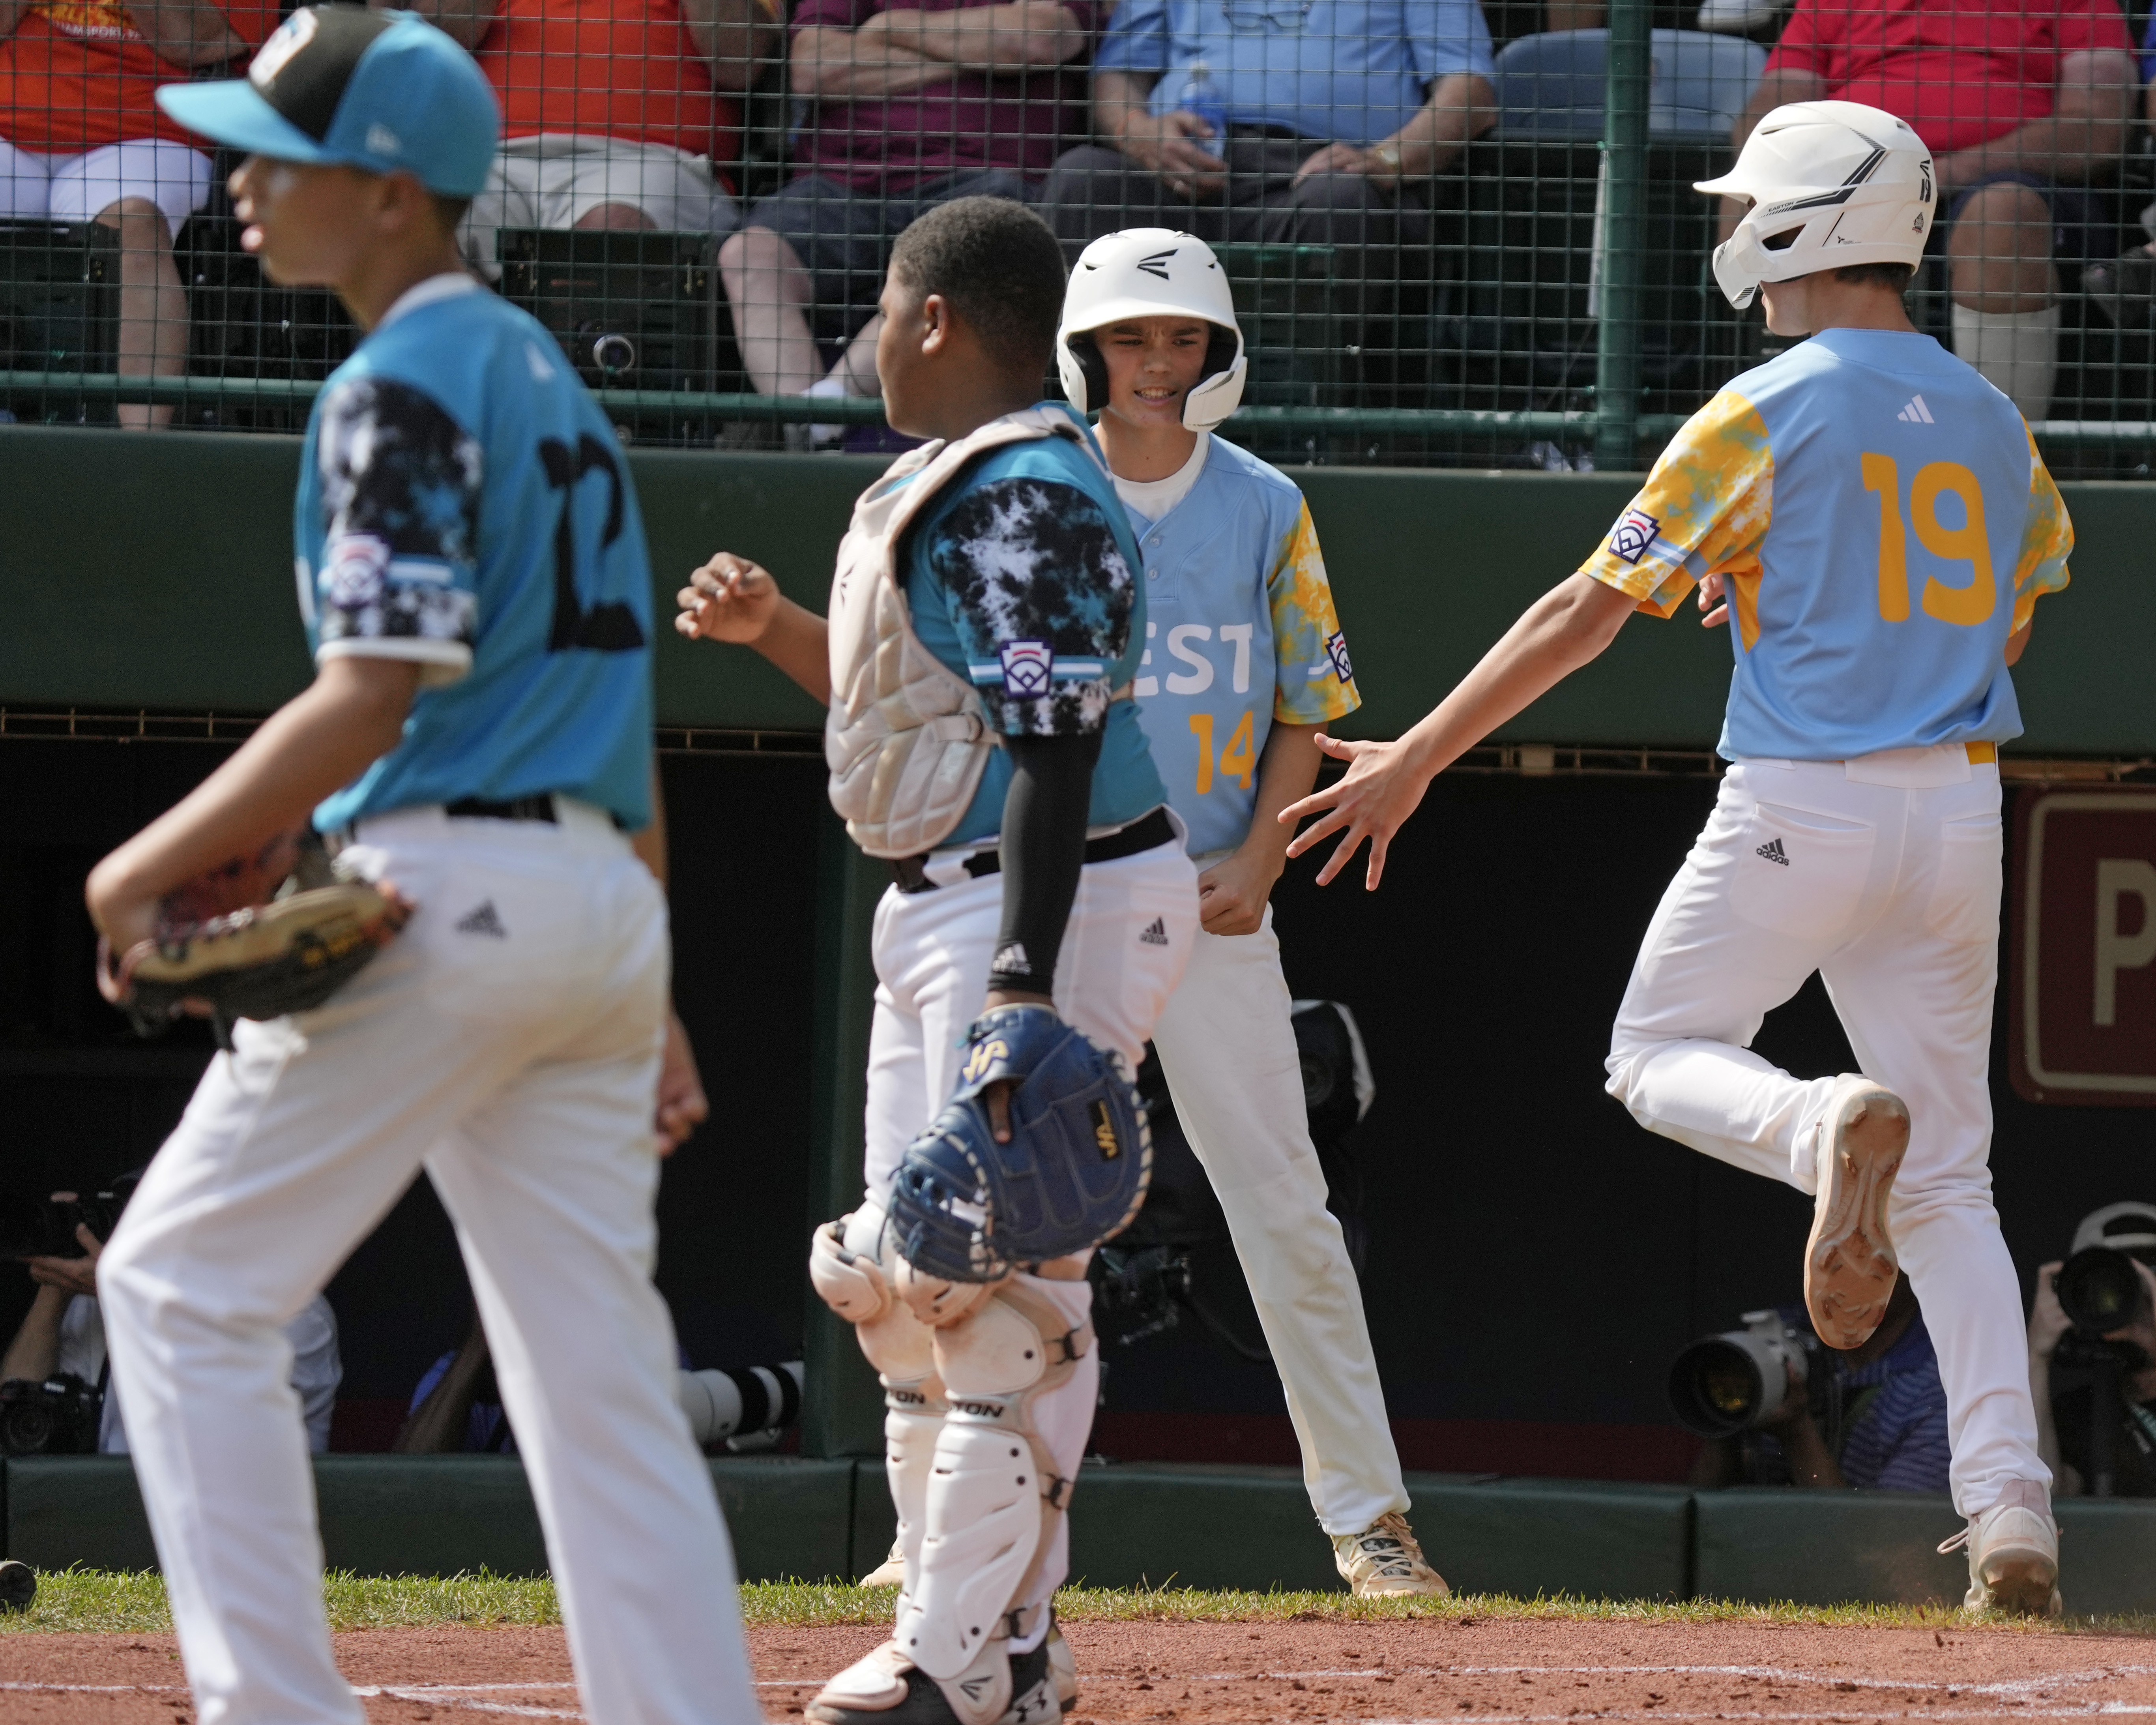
{"points": [[995, 1492], [843, 1267]]}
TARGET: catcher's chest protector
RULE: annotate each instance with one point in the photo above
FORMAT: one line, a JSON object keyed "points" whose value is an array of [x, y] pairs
{"points": [[908, 738]]}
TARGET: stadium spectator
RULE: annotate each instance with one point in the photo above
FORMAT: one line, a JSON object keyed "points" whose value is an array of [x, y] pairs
{"points": [[1309, 122], [81, 141], [915, 105], [622, 114], [2024, 105], [1885, 1424], [63, 1333]]}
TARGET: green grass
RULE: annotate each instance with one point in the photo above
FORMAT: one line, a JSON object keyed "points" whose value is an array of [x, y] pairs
{"points": [[103, 1601]]}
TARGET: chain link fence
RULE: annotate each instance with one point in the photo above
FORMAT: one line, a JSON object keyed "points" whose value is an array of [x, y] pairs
{"points": [[1457, 234]]}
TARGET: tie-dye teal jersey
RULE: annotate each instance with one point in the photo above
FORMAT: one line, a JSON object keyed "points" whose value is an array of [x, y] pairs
{"points": [[1020, 576]]}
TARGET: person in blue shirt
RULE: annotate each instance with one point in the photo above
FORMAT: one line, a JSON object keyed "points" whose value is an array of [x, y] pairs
{"points": [[986, 625], [1293, 121], [1871, 519], [1881, 1424], [477, 740]]}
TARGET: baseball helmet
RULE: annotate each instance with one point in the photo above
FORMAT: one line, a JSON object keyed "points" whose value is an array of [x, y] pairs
{"points": [[1830, 184], [1151, 272], [967, 1208]]}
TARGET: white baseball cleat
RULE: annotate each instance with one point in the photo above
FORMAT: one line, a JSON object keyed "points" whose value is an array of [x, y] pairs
{"points": [[2013, 1554], [890, 1572], [885, 1687], [1850, 1264], [1385, 1559]]}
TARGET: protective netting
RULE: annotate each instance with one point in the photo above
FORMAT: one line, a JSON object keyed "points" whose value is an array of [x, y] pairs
{"points": [[1458, 234]]}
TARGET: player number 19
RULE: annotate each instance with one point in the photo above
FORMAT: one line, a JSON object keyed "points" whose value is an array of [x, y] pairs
{"points": [[1969, 605], [1237, 761]]}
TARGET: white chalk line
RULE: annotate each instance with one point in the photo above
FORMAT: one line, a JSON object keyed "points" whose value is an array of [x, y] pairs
{"points": [[1756, 1673]]}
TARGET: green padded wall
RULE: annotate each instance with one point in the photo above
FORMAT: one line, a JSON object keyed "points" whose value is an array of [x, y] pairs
{"points": [[140, 572]]}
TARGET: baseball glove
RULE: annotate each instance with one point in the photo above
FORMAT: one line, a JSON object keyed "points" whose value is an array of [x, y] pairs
{"points": [[279, 931]]}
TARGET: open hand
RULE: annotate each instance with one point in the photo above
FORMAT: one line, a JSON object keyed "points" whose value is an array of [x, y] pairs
{"points": [[1336, 159], [1714, 600], [1373, 800], [729, 600], [1172, 146], [2048, 1322], [682, 1106], [73, 1275]]}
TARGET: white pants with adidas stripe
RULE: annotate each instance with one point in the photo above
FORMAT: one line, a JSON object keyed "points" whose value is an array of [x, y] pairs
{"points": [[1229, 1049], [514, 1058], [1883, 875], [1129, 937]]}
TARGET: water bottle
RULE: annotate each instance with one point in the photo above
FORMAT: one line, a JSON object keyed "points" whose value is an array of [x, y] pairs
{"points": [[1199, 96]]}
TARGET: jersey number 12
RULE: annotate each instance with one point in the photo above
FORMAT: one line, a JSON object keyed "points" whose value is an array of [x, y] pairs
{"points": [[609, 626], [1968, 544]]}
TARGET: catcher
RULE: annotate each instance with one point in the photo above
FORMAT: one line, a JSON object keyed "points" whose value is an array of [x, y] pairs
{"points": [[475, 588], [986, 622]]}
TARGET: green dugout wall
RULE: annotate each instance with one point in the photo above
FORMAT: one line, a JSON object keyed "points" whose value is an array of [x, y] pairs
{"points": [[156, 572]]}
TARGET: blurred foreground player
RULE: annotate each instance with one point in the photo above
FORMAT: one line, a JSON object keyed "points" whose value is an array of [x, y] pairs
{"points": [[1874, 516], [1245, 659], [987, 618], [474, 580]]}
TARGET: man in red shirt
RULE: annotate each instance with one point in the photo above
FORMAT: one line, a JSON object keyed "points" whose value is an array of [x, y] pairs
{"points": [[615, 113], [81, 139], [917, 102], [2022, 103]]}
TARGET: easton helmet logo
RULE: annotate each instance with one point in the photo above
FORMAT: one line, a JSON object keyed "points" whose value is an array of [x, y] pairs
{"points": [[1156, 264]]}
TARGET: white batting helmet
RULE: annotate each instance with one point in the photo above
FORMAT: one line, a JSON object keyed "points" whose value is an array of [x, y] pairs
{"points": [[1829, 183], [1151, 272]]}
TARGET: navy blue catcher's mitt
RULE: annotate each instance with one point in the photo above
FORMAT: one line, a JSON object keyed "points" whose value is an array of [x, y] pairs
{"points": [[967, 1209]]}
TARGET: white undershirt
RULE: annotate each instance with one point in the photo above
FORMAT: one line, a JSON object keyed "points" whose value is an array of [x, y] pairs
{"points": [[1153, 498]]}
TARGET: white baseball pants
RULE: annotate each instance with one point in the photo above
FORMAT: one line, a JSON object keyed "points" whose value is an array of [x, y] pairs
{"points": [[507, 1042], [1883, 875], [1228, 1050], [933, 953]]}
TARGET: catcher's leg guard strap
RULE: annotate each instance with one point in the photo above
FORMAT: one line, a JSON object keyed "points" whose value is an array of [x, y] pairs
{"points": [[994, 1492]]}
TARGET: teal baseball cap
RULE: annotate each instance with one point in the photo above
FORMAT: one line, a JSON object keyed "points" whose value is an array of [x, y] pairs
{"points": [[385, 91]]}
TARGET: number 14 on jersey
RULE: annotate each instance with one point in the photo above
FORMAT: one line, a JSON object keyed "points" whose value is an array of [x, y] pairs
{"points": [[1237, 761]]}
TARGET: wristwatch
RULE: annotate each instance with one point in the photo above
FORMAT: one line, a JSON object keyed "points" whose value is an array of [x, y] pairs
{"points": [[1388, 156]]}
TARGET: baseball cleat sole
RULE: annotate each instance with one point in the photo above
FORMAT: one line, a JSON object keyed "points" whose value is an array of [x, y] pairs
{"points": [[1849, 1263]]}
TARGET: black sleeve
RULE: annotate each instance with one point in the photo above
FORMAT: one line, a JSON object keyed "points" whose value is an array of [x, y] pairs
{"points": [[1044, 847]]}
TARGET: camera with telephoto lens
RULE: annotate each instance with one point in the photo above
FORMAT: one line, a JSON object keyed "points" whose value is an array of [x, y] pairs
{"points": [[2100, 1290], [44, 1227], [1740, 1379], [54, 1416]]}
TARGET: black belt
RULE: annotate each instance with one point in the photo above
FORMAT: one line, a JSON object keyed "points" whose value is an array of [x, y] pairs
{"points": [[538, 808], [1146, 832], [1276, 133]]}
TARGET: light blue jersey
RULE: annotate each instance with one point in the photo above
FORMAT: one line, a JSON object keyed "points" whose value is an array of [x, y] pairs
{"points": [[1239, 632], [1354, 71], [464, 503], [1020, 576], [1883, 523]]}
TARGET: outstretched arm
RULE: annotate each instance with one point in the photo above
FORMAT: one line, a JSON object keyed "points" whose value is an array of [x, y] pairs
{"points": [[1565, 628], [732, 599]]}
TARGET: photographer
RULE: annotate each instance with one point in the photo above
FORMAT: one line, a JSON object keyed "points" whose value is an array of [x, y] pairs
{"points": [[64, 1337], [2065, 1363], [1873, 1417]]}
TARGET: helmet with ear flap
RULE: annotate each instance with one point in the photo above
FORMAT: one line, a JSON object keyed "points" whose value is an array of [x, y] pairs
{"points": [[1144, 273]]}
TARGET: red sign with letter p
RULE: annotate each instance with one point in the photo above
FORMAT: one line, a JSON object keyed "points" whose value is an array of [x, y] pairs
{"points": [[2082, 992]]}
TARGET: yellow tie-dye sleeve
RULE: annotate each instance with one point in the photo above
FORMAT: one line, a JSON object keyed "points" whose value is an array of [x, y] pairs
{"points": [[1703, 511], [1313, 680], [2048, 540]]}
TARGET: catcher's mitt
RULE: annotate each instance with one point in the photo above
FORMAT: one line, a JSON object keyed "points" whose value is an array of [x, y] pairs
{"points": [[258, 960]]}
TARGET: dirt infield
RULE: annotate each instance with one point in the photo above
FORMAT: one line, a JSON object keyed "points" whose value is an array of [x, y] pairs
{"points": [[1379, 1673]]}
